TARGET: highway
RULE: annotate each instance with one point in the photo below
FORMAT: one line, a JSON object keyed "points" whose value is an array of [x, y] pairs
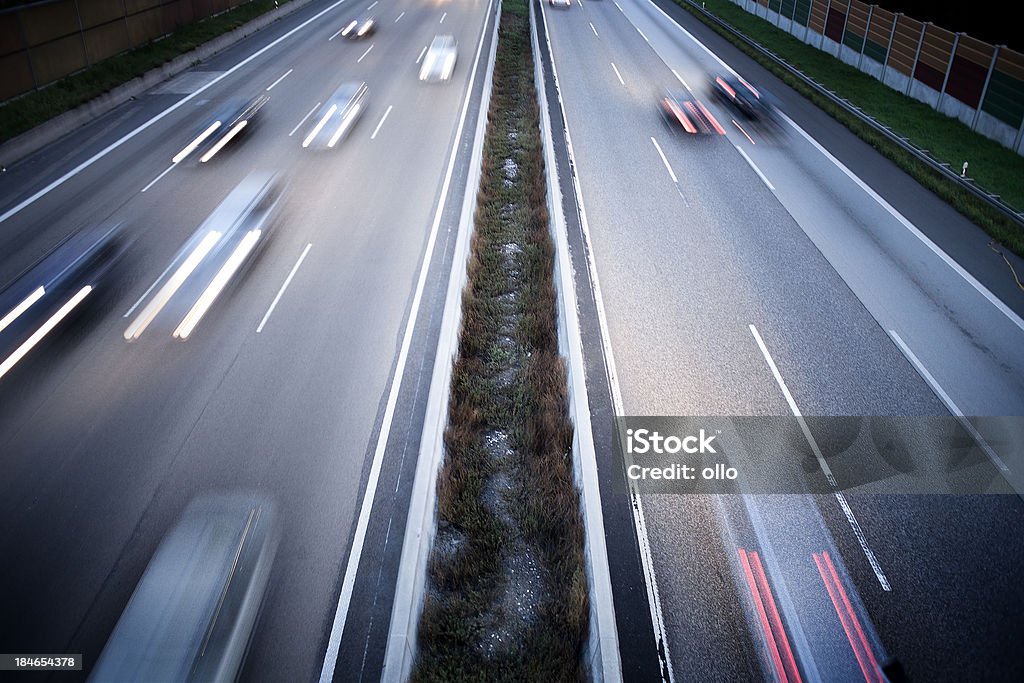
{"points": [[283, 387], [787, 271], [782, 274]]}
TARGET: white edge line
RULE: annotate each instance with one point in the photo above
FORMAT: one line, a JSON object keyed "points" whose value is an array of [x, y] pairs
{"points": [[646, 559], [153, 181], [642, 35], [664, 160], [356, 551], [128, 136], [949, 261], [752, 165], [269, 87], [876, 567], [948, 401], [280, 292], [315, 107], [617, 74], [584, 449], [382, 119]]}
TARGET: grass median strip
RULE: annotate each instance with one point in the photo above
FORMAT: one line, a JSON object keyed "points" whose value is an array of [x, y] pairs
{"points": [[26, 112], [992, 166], [506, 597]]}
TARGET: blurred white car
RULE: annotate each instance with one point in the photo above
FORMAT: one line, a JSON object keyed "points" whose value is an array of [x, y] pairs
{"points": [[439, 61], [337, 116], [560, 3]]}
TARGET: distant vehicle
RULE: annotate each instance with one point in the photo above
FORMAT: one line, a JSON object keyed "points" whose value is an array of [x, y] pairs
{"points": [[337, 116], [560, 3], [742, 96], [57, 286], [235, 118], [684, 109], [439, 61], [195, 608], [360, 27]]}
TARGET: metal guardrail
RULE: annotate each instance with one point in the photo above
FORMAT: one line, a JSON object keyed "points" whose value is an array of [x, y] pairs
{"points": [[922, 155]]}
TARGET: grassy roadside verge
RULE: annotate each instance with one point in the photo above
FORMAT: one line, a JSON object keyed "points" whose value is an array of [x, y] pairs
{"points": [[993, 166], [506, 588], [24, 113]]}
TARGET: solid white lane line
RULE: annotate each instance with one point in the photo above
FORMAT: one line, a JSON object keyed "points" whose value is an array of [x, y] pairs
{"points": [[593, 29], [617, 74], [388, 111], [315, 107], [153, 181], [756, 169], [680, 79], [128, 136], [442, 18], [280, 292], [359, 538], [643, 35], [364, 54], [269, 87], [948, 401], [399, 17], [422, 52], [690, 35], [664, 160], [639, 521], [850, 517]]}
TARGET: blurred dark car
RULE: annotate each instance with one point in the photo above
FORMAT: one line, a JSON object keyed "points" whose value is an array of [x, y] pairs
{"points": [[682, 108], [193, 612], [360, 27], [38, 300], [234, 119], [742, 96]]}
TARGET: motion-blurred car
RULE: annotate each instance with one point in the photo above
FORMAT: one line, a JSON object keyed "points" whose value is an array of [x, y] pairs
{"points": [[217, 251], [57, 286], [560, 3], [439, 60], [337, 116], [233, 119], [683, 109], [360, 27], [742, 96], [194, 610]]}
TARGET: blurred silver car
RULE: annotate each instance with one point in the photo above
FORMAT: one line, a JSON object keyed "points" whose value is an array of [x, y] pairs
{"points": [[337, 116], [193, 613], [439, 60]]}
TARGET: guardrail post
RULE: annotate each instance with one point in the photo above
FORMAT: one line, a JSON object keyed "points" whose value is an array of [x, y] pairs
{"points": [[846, 21], [917, 56], [949, 67], [867, 32], [984, 88], [888, 48]]}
